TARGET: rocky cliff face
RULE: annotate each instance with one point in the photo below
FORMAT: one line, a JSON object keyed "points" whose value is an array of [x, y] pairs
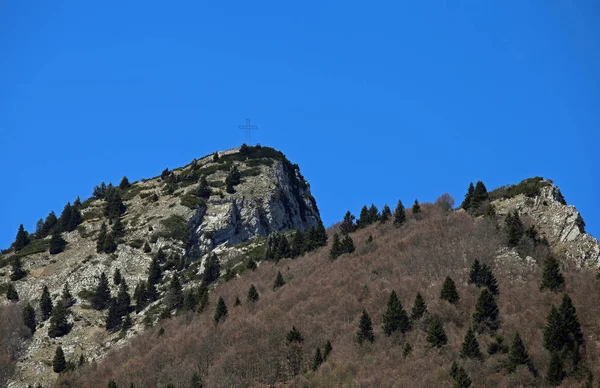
{"points": [[559, 223], [166, 213]]}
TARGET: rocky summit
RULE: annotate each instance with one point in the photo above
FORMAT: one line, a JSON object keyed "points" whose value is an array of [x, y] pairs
{"points": [[225, 203]]}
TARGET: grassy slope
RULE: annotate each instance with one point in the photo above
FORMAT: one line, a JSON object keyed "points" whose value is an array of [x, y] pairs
{"points": [[324, 299]]}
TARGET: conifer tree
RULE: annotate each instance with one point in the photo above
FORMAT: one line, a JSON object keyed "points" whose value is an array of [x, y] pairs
{"points": [[294, 336], [436, 335], [486, 312], [251, 264], [113, 319], [298, 244], [395, 317], [556, 372], [221, 310], [59, 363], [514, 228], [365, 329], [101, 238], [126, 323], [252, 294], [487, 279], [336, 247], [66, 297], [406, 350], [552, 278], [49, 224], [237, 301], [386, 213], [45, 304], [123, 299], [453, 369], [154, 275], [124, 185], [373, 214], [140, 296], [110, 243], [466, 204], [320, 235], [461, 378], [518, 354], [470, 346], [203, 190], [113, 207], [113, 384], [279, 282], [480, 195], [17, 269], [571, 323], [363, 218], [416, 208], [317, 360], [147, 248], [57, 243], [29, 317], [419, 307], [118, 230], [58, 321], [117, 277], [449, 292], [327, 350], [554, 332], [212, 269], [347, 226], [11, 293], [174, 298], [399, 214], [21, 240], [347, 244], [498, 346], [215, 157], [101, 297]]}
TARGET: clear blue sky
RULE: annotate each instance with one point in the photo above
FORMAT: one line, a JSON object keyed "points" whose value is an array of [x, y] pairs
{"points": [[375, 101]]}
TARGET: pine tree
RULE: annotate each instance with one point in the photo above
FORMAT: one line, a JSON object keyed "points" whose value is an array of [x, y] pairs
{"points": [[21, 240], [174, 298], [101, 297], [124, 185], [347, 244], [251, 264], [118, 230], [140, 296], [487, 279], [113, 319], [474, 273], [147, 248], [336, 247], [518, 354], [552, 278], [101, 238], [555, 332], [514, 228], [327, 350], [436, 335], [113, 207], [215, 157], [110, 243], [212, 269], [486, 312], [154, 275], [395, 317], [419, 307], [203, 190], [11, 293], [252, 294], [126, 323], [466, 204], [498, 346], [66, 297], [406, 350], [449, 292], [45, 304], [117, 277], [571, 323], [320, 235], [279, 282], [294, 336], [221, 310], [416, 208], [453, 369], [480, 195], [59, 363], [123, 299], [317, 360], [556, 372], [113, 384], [373, 214], [57, 243], [17, 269], [461, 378], [29, 317], [49, 224], [399, 214], [237, 301], [386, 213], [347, 226], [365, 329], [58, 321], [298, 244], [363, 218], [470, 346]]}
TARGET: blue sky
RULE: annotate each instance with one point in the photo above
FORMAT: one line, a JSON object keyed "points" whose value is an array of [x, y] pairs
{"points": [[375, 101]]}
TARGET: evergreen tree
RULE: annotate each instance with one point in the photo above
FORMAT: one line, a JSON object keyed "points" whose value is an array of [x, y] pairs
{"points": [[416, 208], [453, 369], [518, 354], [436, 335], [514, 228], [58, 321], [29, 317], [11, 293], [221, 310], [279, 282], [154, 275], [363, 218], [252, 294], [555, 332], [21, 240], [147, 248], [126, 323], [317, 360], [480, 195], [113, 384], [419, 307], [101, 238], [347, 225], [75, 218], [118, 230], [140, 296], [113, 319], [556, 372], [474, 273], [298, 244], [373, 214], [486, 312], [498, 346], [117, 277], [365, 329], [395, 317], [113, 207], [101, 297], [571, 323], [347, 244], [59, 363], [251, 264], [123, 299], [461, 378], [470, 346], [49, 224], [124, 185], [57, 243], [66, 297], [449, 291], [237, 301], [327, 350], [320, 235], [386, 213], [110, 243], [212, 269], [215, 157], [45, 304], [466, 204], [487, 279], [203, 190], [17, 269], [552, 278], [406, 350], [174, 298], [336, 247], [399, 214]]}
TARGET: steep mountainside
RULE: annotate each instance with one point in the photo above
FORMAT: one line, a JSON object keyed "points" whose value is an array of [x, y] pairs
{"points": [[212, 205]]}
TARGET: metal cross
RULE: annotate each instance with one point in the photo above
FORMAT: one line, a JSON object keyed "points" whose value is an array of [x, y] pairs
{"points": [[248, 127]]}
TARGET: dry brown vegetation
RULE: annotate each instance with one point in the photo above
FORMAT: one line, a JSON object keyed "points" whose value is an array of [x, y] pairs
{"points": [[12, 335], [324, 300]]}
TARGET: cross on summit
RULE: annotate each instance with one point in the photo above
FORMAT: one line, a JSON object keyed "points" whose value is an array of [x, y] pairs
{"points": [[248, 127]]}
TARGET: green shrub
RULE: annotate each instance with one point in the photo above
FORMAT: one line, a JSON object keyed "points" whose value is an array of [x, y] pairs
{"points": [[35, 246], [530, 187], [131, 193], [192, 201], [137, 243], [92, 213], [176, 228]]}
